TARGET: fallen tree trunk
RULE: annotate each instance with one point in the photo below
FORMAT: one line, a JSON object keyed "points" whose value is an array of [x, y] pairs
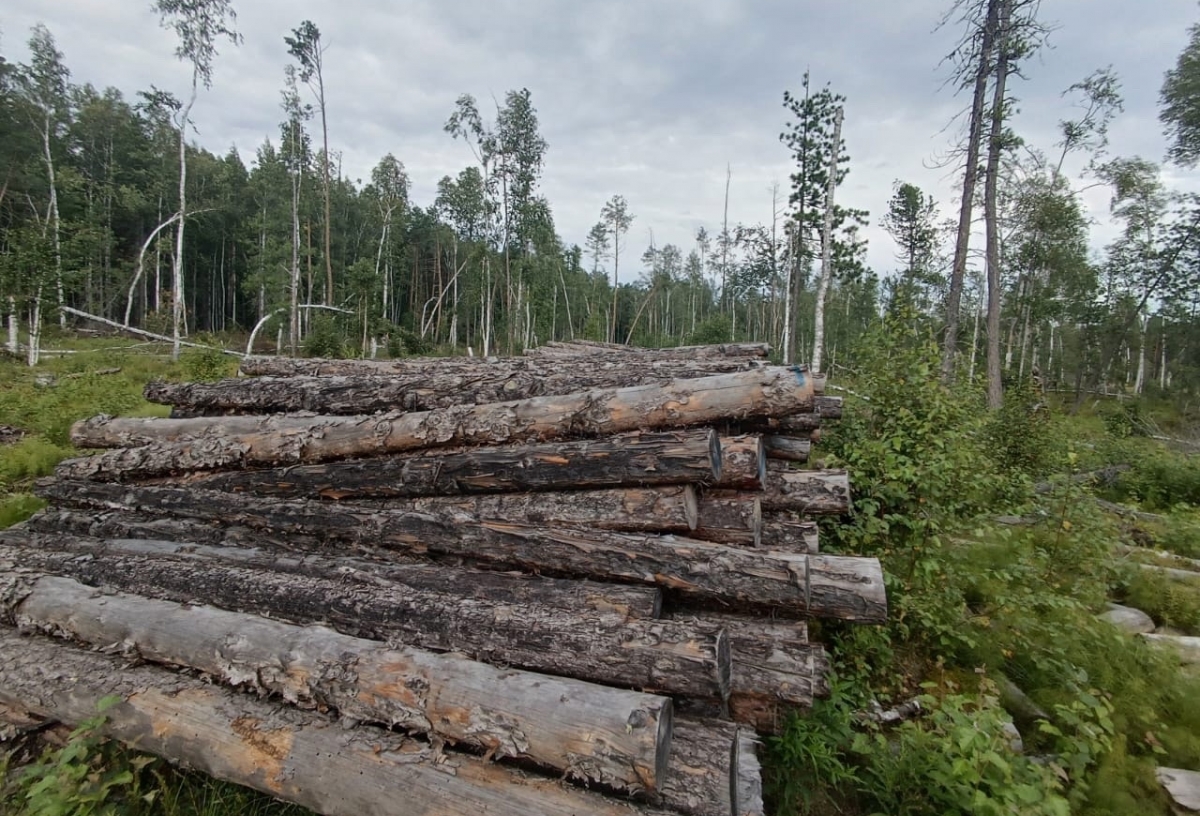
{"points": [[734, 575], [300, 756], [825, 492], [621, 601], [594, 733], [743, 463], [175, 445], [729, 517], [714, 770], [627, 460], [787, 448], [653, 655], [786, 531], [423, 387], [672, 509], [576, 348]]}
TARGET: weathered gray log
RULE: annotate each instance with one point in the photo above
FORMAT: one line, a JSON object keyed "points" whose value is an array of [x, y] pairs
{"points": [[593, 733], [825, 492], [787, 448], [829, 407], [619, 600], [555, 349], [729, 517], [714, 770], [786, 531], [688, 659], [300, 756], [424, 386], [233, 442], [740, 576], [743, 463], [626, 460], [671, 509]]}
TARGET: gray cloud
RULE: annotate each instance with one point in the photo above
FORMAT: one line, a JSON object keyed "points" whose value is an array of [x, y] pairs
{"points": [[651, 99]]}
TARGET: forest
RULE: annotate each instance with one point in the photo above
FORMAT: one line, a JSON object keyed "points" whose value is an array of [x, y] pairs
{"points": [[1020, 423]]}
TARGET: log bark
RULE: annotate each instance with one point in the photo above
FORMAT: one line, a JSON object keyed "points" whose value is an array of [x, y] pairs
{"points": [[787, 448], [729, 517], [829, 407], [743, 463], [623, 602], [714, 770], [300, 756], [672, 509], [738, 576], [577, 348], [371, 386], [627, 460], [648, 655], [175, 445], [825, 492], [786, 531], [592, 733]]}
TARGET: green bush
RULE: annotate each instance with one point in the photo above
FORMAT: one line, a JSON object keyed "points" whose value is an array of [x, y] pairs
{"points": [[325, 339], [16, 507], [206, 364], [29, 458]]}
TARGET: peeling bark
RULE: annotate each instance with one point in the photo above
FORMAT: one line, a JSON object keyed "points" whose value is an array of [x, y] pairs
{"points": [[743, 463], [807, 491]]}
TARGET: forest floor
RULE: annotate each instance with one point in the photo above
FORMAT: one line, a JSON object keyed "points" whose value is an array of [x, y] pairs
{"points": [[998, 563]]}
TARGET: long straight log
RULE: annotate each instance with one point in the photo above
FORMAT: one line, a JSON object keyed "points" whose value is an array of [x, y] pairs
{"points": [[662, 656], [300, 756], [714, 770], [787, 448], [734, 575], [279, 439], [425, 387], [627, 460], [729, 517], [807, 491], [593, 733], [743, 463], [621, 601], [672, 509], [786, 531]]}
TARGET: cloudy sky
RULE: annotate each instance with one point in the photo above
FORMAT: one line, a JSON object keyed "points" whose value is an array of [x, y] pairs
{"points": [[651, 99]]}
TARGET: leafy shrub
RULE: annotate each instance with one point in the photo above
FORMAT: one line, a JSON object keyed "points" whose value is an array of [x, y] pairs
{"points": [[29, 458], [405, 343], [206, 364], [1022, 438], [326, 339], [714, 329], [16, 507]]}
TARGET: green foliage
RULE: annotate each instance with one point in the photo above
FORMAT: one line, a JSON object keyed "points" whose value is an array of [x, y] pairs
{"points": [[714, 329], [809, 756], [206, 364], [1170, 602], [16, 507], [1022, 438], [30, 458], [403, 342], [1160, 479], [326, 339]]}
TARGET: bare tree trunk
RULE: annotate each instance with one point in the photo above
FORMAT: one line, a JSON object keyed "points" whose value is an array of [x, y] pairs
{"points": [[970, 172], [995, 388], [177, 306], [826, 246], [14, 320], [1140, 382]]}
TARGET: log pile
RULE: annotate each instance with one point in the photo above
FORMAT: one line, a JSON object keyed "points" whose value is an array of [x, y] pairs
{"points": [[572, 582]]}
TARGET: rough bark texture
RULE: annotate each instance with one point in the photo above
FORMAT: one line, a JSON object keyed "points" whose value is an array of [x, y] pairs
{"points": [[627, 460], [829, 407], [734, 575], [670, 509], [714, 770], [301, 756], [653, 655], [175, 445], [787, 448], [786, 531], [591, 732], [589, 597], [743, 463], [371, 386], [730, 517], [825, 492]]}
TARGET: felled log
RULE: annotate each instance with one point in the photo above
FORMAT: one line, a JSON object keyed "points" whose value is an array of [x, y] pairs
{"points": [[557, 349], [395, 386], [729, 517], [714, 770], [743, 463], [829, 407], [300, 756], [671, 509], [734, 575], [807, 491], [787, 448], [786, 531], [626, 460], [591, 597], [687, 659], [174, 445], [593, 733]]}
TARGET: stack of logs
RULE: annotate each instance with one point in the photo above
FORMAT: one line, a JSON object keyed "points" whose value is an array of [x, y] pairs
{"points": [[572, 582]]}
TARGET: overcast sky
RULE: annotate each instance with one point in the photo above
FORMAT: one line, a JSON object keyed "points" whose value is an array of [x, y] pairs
{"points": [[650, 99]]}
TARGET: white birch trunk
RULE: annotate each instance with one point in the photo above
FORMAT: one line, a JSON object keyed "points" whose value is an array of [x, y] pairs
{"points": [[826, 247], [1140, 383], [177, 294]]}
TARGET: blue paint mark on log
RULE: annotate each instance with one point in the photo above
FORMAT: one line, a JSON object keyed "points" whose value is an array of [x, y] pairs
{"points": [[799, 371]]}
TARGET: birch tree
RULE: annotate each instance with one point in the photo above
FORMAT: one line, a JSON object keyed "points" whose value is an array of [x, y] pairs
{"points": [[199, 25], [306, 46]]}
